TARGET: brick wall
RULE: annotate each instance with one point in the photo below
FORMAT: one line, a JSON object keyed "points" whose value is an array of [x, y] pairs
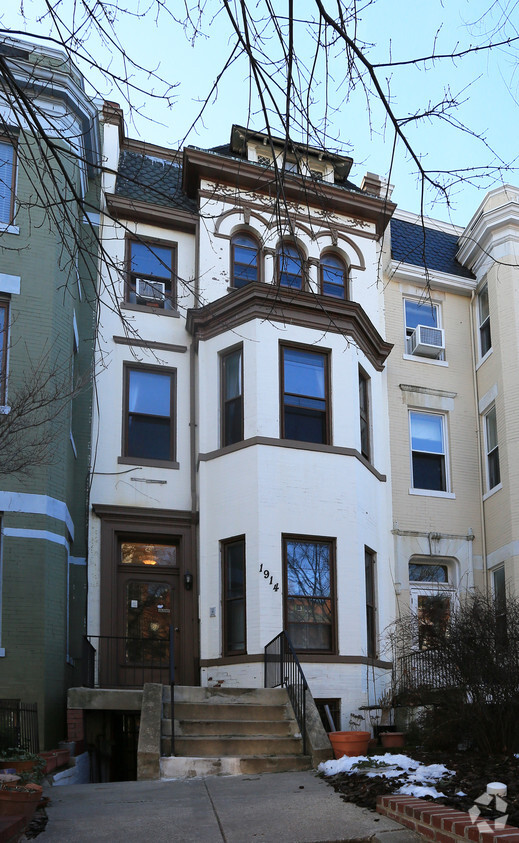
{"points": [[441, 824]]}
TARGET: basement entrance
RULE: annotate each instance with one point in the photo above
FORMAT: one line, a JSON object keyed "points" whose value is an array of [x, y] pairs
{"points": [[112, 738]]}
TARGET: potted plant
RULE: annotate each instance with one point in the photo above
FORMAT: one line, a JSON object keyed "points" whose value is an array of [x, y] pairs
{"points": [[353, 742], [392, 740], [28, 765], [17, 799]]}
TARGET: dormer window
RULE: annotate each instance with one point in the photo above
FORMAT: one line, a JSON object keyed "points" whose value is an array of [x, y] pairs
{"points": [[290, 266]]}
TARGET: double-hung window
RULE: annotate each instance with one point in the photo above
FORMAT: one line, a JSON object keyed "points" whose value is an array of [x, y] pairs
{"points": [[4, 330], [231, 381], [290, 266], [7, 181], [364, 411], [428, 457], [304, 405], [334, 277], [485, 339], [424, 336], [492, 449], [149, 423], [371, 617], [234, 616], [309, 593], [151, 275], [244, 260]]}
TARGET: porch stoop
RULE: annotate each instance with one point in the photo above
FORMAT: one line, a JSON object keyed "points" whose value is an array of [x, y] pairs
{"points": [[230, 731]]}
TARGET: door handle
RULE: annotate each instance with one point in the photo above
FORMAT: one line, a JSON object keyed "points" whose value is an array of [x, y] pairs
{"points": [[177, 629]]}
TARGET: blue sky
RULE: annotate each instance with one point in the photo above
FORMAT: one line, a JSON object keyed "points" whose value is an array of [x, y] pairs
{"points": [[485, 84]]}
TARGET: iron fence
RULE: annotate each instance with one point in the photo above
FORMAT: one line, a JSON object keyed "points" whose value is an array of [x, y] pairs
{"points": [[19, 725], [424, 669], [282, 668]]}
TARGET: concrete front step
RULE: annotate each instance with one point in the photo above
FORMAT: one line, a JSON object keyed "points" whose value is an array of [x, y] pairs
{"points": [[232, 728], [227, 711], [216, 747], [197, 694], [189, 767]]}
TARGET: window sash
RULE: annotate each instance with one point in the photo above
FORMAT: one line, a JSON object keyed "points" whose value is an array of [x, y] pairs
{"points": [[231, 387], [420, 313], [149, 431], [485, 338], [7, 181], [371, 626], [493, 468], [364, 415], [234, 593], [309, 593], [290, 267], [154, 262], [428, 458], [304, 385], [4, 331], [333, 277], [244, 260]]}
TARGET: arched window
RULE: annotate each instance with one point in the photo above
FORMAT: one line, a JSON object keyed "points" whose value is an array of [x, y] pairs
{"points": [[290, 266], [244, 259], [334, 276]]}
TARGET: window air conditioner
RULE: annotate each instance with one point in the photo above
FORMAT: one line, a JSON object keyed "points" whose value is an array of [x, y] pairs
{"points": [[154, 290], [426, 341]]}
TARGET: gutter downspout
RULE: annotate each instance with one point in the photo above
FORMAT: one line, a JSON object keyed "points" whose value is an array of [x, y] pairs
{"points": [[480, 454]]}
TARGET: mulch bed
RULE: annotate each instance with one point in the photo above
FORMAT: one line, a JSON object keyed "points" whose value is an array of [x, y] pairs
{"points": [[472, 774]]}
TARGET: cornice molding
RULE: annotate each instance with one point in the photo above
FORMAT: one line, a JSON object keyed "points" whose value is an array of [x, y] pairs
{"points": [[482, 235], [245, 175], [160, 215], [429, 277], [288, 307]]}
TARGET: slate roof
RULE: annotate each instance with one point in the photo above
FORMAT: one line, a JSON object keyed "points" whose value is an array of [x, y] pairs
{"points": [[154, 180], [407, 246]]}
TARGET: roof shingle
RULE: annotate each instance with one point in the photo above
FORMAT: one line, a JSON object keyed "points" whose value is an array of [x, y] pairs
{"points": [[421, 246], [154, 180]]}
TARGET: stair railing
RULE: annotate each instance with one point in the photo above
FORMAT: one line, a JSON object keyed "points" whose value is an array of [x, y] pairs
{"points": [[282, 668]]}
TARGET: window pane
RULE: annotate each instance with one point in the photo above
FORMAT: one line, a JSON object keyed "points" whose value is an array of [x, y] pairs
{"points": [[308, 569], [490, 420], [152, 555], [420, 313], [232, 374], [290, 267], [304, 372], [6, 180], [494, 472], [427, 433], [151, 260], [333, 274], [149, 438], [305, 425], [419, 572], [235, 625], [429, 472], [150, 393], [232, 422], [483, 305], [499, 589], [234, 584], [235, 573], [433, 617]]}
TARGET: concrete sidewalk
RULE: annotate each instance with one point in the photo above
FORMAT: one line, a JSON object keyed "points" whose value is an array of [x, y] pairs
{"points": [[271, 808]]}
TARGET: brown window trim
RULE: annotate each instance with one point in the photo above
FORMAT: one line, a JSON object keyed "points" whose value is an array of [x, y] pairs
{"points": [[173, 295], [223, 402], [243, 232], [346, 284], [160, 370], [286, 537], [224, 544], [365, 412], [370, 559], [14, 143], [328, 414], [4, 305]]}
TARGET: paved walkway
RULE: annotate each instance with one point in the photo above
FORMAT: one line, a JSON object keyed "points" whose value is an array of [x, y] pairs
{"points": [[266, 808]]}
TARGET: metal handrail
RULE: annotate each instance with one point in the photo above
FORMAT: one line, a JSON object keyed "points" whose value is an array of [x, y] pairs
{"points": [[282, 668], [172, 684], [121, 661]]}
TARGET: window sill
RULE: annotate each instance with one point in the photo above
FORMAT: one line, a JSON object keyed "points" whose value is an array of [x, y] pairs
{"points": [[155, 311], [492, 491], [9, 229], [431, 493], [430, 360], [484, 358], [4, 410], [138, 461]]}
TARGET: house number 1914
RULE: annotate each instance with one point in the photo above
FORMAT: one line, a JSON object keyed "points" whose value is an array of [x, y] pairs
{"points": [[266, 573]]}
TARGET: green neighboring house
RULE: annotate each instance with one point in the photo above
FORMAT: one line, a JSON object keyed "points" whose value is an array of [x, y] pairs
{"points": [[49, 160]]}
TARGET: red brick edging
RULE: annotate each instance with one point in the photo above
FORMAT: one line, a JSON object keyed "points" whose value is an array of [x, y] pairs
{"points": [[442, 824]]}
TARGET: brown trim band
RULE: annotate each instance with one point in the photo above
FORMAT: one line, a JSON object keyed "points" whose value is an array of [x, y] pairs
{"points": [[271, 303], [290, 443], [140, 461], [309, 658], [162, 215], [141, 343], [140, 514]]}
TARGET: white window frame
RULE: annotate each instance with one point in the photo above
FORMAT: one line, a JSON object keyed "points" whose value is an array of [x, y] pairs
{"points": [[417, 490], [488, 451], [409, 330], [482, 323], [423, 588]]}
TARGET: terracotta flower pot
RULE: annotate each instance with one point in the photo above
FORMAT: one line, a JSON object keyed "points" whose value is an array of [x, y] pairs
{"points": [[20, 801], [19, 766], [349, 743], [51, 761], [62, 756], [392, 740]]}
